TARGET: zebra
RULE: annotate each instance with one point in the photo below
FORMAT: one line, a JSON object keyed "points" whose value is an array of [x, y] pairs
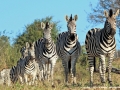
{"points": [[68, 48], [8, 76], [45, 49], [101, 43], [28, 66]]}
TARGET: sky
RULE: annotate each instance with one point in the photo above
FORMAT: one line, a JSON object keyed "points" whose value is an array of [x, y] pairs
{"points": [[16, 14]]}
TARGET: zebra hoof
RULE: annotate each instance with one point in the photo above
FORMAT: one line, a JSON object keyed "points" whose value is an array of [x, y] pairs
{"points": [[110, 83]]}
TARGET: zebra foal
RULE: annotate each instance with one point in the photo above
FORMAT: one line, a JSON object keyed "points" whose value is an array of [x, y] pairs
{"points": [[101, 43], [28, 65]]}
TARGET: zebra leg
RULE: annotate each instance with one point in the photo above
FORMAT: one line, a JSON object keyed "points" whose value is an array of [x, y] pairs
{"points": [[21, 79], [73, 70], [41, 75], [33, 78], [91, 69], [109, 70], [100, 70], [103, 70], [26, 79], [44, 70], [95, 69], [41, 72], [48, 72], [52, 70], [65, 65], [51, 73]]}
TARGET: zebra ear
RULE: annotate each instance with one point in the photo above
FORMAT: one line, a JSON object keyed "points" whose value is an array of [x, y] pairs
{"points": [[42, 25], [33, 43], [51, 25], [106, 13], [75, 17], [66, 18], [27, 45], [117, 12]]}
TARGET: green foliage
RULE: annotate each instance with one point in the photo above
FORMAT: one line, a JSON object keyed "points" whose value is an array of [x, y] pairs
{"points": [[33, 32], [10, 54], [6, 53]]}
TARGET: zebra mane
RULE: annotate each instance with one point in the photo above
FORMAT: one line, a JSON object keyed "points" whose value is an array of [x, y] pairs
{"points": [[110, 13], [70, 18], [47, 24]]}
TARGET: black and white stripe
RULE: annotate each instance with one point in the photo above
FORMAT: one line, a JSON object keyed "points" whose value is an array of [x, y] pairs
{"points": [[28, 66], [68, 48], [46, 51], [101, 43]]}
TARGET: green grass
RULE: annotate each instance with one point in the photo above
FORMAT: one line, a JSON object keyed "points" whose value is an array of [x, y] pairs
{"points": [[82, 75]]}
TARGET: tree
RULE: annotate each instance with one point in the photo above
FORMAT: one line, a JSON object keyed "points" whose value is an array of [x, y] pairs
{"points": [[97, 16], [33, 32], [8, 53]]}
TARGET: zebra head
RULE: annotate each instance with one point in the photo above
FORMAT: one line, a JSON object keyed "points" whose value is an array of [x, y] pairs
{"points": [[31, 51], [47, 31], [71, 25], [110, 23], [23, 52]]}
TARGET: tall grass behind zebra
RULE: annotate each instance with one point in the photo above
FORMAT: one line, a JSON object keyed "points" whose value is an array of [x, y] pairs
{"points": [[101, 43], [28, 66], [68, 48], [46, 52]]}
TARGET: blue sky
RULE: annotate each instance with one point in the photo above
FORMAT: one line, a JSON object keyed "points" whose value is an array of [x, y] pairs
{"points": [[15, 15]]}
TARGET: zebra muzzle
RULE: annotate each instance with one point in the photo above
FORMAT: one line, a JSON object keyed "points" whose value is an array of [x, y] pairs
{"points": [[112, 32], [72, 36]]}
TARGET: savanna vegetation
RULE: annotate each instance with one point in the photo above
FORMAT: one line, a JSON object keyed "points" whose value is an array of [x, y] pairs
{"points": [[9, 54]]}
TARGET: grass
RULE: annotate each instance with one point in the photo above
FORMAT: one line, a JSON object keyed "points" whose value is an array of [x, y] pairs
{"points": [[82, 75]]}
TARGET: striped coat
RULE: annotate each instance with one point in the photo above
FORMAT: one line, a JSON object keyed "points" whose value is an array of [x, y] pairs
{"points": [[46, 52], [28, 66], [68, 48], [101, 43]]}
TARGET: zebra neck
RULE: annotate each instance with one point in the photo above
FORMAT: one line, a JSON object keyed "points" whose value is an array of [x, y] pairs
{"points": [[106, 37], [69, 44], [109, 34], [69, 41], [48, 43]]}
